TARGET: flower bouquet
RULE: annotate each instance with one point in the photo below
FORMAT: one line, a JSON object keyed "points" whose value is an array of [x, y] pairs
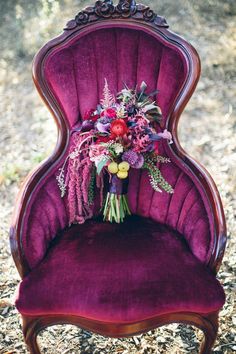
{"points": [[119, 135]]}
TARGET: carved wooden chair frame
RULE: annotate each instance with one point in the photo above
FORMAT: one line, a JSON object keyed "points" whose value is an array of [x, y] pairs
{"points": [[104, 15]]}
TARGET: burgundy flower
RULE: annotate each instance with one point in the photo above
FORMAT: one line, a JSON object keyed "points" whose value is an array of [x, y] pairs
{"points": [[86, 126], [156, 147], [103, 139], [89, 115]]}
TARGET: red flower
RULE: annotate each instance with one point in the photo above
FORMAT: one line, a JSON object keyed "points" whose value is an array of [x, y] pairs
{"points": [[118, 128], [109, 112], [89, 115]]}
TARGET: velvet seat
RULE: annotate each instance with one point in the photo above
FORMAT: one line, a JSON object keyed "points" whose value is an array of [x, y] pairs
{"points": [[119, 273]]}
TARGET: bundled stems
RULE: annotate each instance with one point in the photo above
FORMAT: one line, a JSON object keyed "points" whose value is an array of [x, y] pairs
{"points": [[116, 203], [116, 208]]}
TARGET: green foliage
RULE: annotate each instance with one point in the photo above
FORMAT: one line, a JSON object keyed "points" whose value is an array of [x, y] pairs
{"points": [[140, 99], [10, 174], [157, 181], [92, 184], [101, 164]]}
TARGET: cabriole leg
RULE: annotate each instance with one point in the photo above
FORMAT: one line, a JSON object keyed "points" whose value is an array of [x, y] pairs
{"points": [[30, 330], [32, 344], [210, 334]]}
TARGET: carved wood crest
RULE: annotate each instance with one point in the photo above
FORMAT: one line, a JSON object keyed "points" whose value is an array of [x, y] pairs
{"points": [[105, 9]]}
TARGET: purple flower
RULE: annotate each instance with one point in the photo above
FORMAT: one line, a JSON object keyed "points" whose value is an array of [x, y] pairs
{"points": [[87, 125], [150, 147], [130, 156], [164, 135], [133, 158], [104, 120], [103, 128], [139, 163]]}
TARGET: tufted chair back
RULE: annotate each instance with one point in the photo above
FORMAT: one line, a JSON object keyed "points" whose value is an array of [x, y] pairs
{"points": [[127, 45], [122, 55]]}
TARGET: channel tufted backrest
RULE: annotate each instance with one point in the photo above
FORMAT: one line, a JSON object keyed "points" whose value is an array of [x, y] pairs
{"points": [[75, 74]]}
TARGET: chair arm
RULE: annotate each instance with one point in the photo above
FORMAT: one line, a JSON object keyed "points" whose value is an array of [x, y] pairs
{"points": [[214, 207], [211, 204], [194, 209], [39, 214]]}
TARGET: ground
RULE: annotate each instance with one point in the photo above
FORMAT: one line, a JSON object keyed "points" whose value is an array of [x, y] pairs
{"points": [[28, 135]]}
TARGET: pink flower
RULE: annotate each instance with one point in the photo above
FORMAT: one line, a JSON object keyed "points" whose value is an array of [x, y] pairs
{"points": [[141, 143], [109, 112], [96, 151]]}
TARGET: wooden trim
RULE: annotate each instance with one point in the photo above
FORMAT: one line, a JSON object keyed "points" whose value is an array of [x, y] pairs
{"points": [[104, 10], [208, 323]]}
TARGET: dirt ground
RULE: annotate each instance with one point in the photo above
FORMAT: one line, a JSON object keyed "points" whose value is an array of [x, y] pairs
{"points": [[28, 134]]}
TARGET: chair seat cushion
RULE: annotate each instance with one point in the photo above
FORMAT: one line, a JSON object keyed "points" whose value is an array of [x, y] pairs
{"points": [[119, 273]]}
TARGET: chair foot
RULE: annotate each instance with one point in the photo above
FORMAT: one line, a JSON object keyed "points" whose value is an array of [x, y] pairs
{"points": [[210, 333], [32, 344]]}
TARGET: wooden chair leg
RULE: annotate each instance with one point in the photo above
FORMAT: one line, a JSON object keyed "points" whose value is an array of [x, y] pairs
{"points": [[208, 324], [210, 333], [32, 344], [30, 331]]}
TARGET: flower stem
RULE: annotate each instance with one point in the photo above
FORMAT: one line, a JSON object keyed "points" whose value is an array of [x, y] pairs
{"points": [[115, 208]]}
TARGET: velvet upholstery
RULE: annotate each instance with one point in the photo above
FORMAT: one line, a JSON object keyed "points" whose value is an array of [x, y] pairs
{"points": [[76, 73], [119, 273], [183, 211], [75, 76]]}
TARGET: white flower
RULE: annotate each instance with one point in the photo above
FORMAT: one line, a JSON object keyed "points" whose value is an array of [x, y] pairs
{"points": [[118, 148], [120, 111]]}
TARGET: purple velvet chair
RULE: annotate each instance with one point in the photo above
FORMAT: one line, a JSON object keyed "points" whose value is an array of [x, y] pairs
{"points": [[159, 266]]}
